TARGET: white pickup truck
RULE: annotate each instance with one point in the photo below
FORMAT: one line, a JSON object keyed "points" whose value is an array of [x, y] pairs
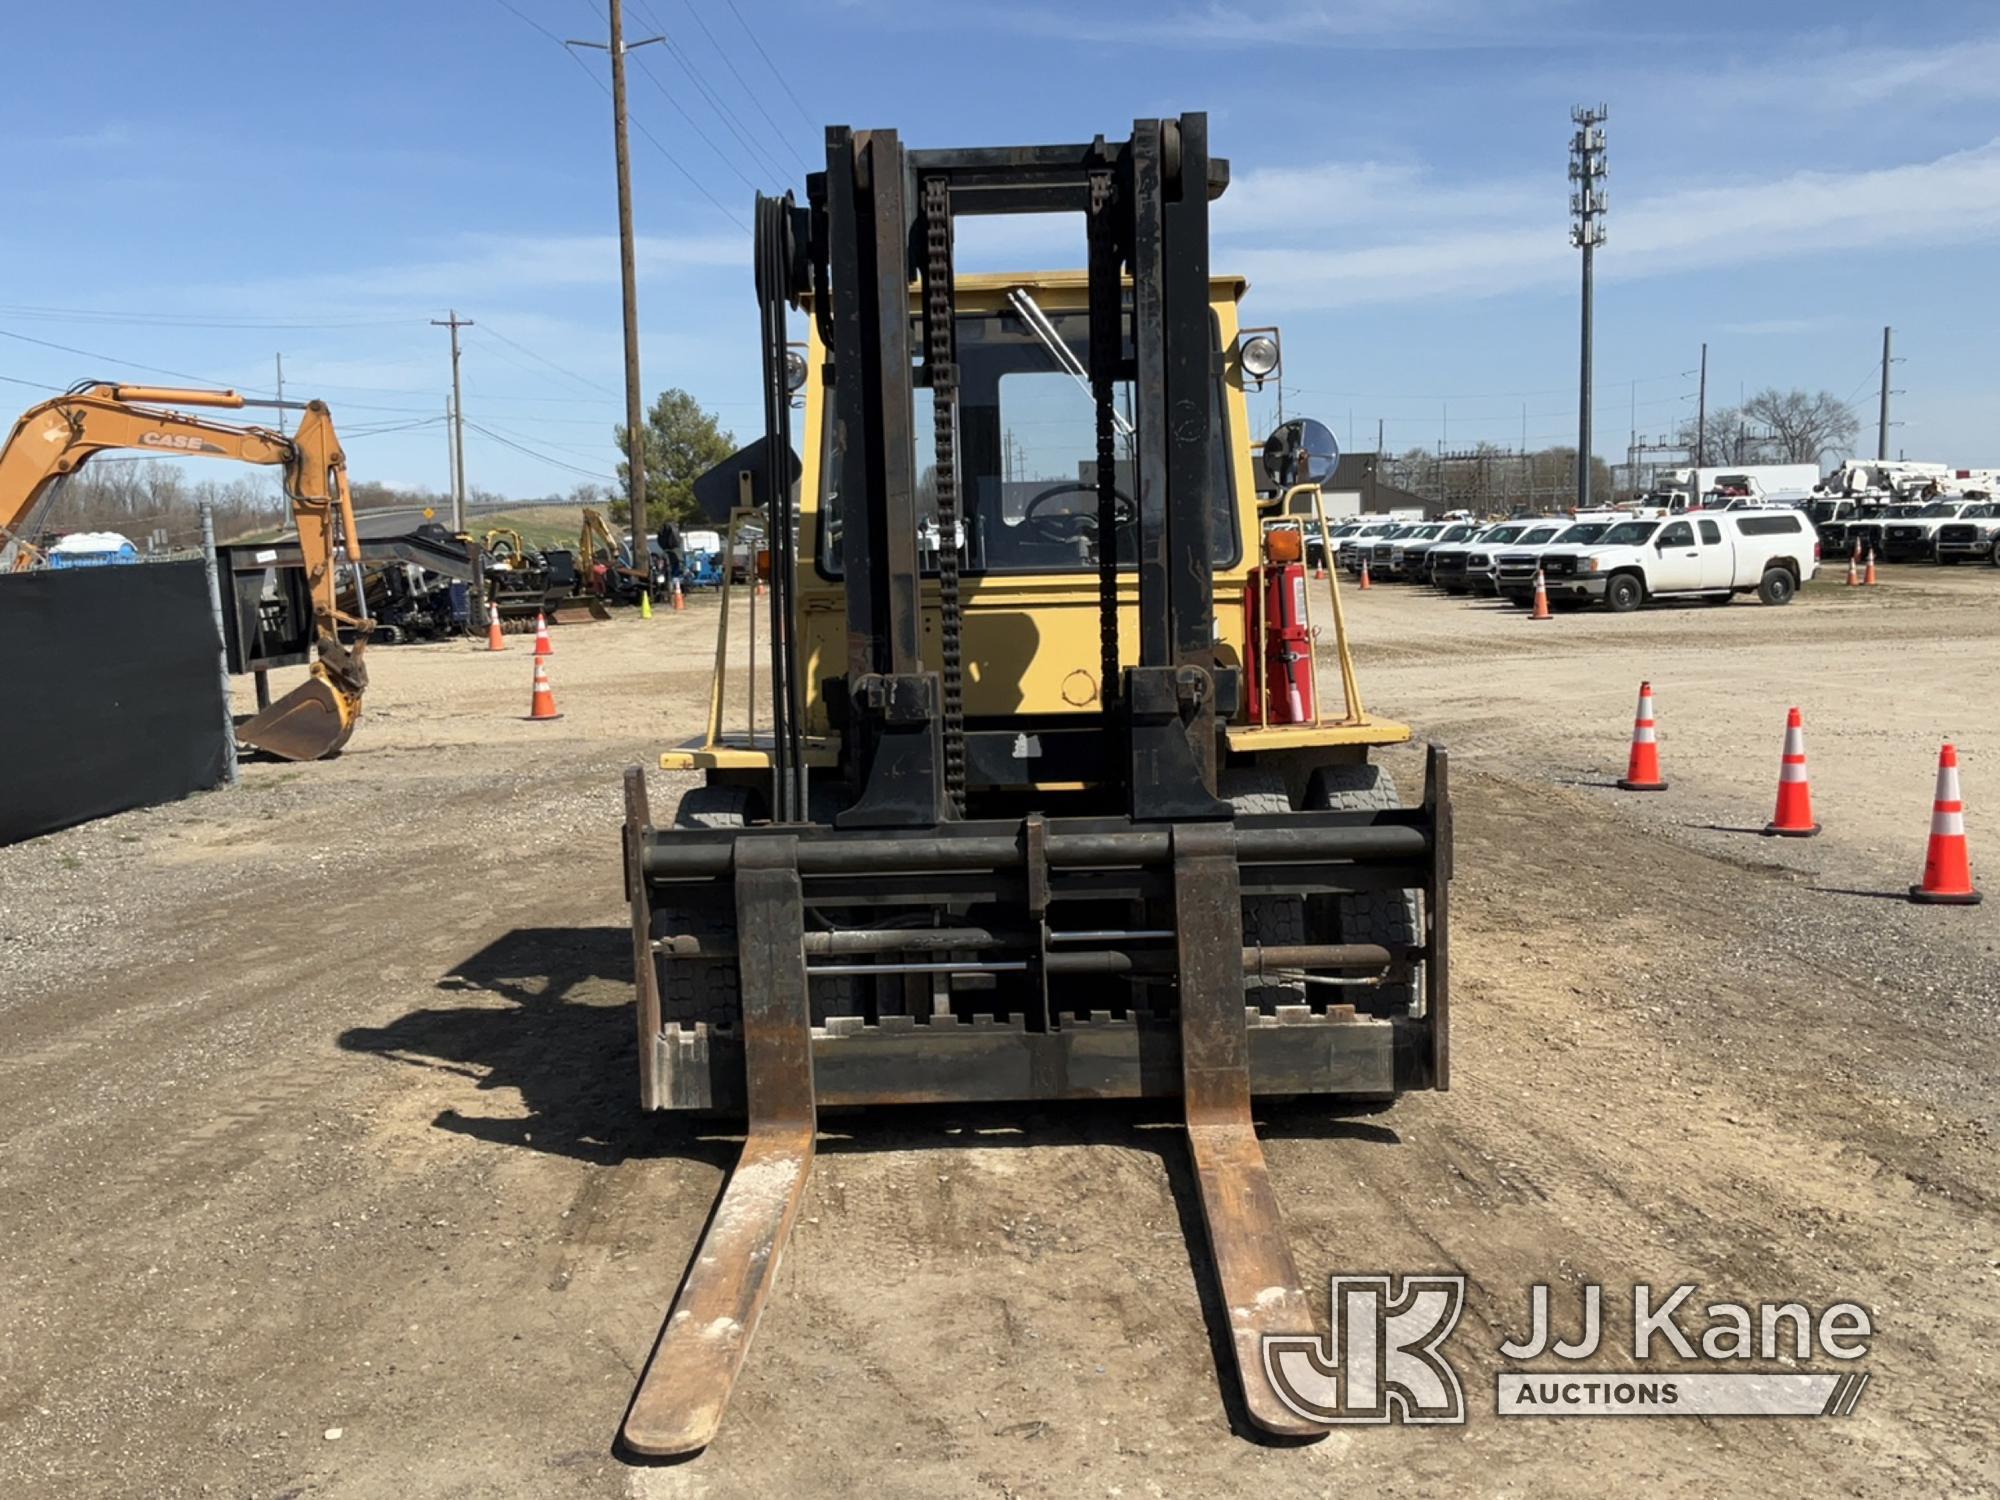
{"points": [[1913, 538], [1707, 555]]}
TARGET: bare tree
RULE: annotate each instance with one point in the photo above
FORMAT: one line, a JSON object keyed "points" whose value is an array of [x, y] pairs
{"points": [[1804, 428]]}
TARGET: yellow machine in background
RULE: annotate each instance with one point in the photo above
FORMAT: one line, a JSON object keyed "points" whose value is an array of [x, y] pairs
{"points": [[53, 440]]}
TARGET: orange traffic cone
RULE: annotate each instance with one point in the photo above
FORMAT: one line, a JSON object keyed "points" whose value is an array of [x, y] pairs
{"points": [[495, 640], [1794, 818], [1642, 771], [1364, 575], [1857, 552], [1853, 573], [1947, 866], [680, 599], [1869, 577], [1319, 569], [1541, 598], [543, 645], [543, 704]]}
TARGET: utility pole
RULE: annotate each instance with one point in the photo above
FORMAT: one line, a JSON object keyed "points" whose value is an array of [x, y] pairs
{"points": [[1701, 415], [281, 392], [635, 430], [1378, 437], [1587, 169], [1882, 426], [451, 464], [454, 323]]}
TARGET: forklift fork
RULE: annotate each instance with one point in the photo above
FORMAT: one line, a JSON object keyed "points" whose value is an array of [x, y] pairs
{"points": [[686, 1386], [1254, 1270], [700, 1351]]}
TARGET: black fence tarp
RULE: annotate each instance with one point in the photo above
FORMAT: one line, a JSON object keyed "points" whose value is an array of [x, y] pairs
{"points": [[113, 697]]}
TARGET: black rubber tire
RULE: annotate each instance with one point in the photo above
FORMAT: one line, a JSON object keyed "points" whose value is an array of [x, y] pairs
{"points": [[1777, 586], [1623, 593], [1266, 919], [1391, 918], [1716, 598]]}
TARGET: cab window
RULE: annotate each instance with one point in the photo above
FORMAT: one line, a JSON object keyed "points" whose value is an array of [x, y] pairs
{"points": [[1711, 533], [1679, 534], [1027, 455]]}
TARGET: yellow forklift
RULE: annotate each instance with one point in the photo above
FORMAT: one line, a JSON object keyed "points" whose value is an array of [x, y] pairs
{"points": [[1045, 803]]}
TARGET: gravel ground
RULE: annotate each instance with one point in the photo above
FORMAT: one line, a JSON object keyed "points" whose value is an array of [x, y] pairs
{"points": [[325, 1173]]}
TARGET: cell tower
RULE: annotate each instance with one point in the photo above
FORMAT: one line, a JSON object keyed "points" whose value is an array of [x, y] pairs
{"points": [[1587, 171]]}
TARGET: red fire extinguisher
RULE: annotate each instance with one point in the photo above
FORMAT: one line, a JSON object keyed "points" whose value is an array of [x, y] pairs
{"points": [[1282, 672]]}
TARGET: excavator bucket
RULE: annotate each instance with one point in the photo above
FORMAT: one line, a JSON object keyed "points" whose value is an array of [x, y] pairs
{"points": [[310, 722], [580, 609]]}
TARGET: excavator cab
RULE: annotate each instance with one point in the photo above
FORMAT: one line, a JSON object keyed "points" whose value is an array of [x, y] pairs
{"points": [[1046, 803]]}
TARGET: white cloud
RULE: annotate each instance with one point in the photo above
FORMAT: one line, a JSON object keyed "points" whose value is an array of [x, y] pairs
{"points": [[1954, 198], [1848, 78]]}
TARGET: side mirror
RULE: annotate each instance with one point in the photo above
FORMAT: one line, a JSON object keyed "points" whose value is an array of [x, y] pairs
{"points": [[1301, 451]]}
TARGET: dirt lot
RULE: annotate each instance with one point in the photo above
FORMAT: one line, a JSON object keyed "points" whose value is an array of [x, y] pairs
{"points": [[325, 1175]]}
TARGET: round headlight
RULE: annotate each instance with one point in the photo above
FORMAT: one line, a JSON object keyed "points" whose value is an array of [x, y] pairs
{"points": [[795, 371], [1260, 355]]}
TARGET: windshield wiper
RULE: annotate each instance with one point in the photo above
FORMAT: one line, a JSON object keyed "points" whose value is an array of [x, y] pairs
{"points": [[1039, 325]]}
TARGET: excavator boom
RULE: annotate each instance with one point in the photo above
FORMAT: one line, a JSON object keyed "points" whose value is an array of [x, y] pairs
{"points": [[53, 440]]}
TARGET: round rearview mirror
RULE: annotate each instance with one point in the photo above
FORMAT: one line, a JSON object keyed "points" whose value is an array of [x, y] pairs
{"points": [[795, 371], [1302, 451]]}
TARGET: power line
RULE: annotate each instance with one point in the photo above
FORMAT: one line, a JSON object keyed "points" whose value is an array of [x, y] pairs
{"points": [[604, 88], [130, 364], [542, 457], [1556, 390], [706, 139], [722, 110], [489, 331], [776, 72], [594, 451], [749, 93]]}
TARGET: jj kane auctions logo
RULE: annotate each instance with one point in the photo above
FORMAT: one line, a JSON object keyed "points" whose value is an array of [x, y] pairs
{"points": [[1383, 1359]]}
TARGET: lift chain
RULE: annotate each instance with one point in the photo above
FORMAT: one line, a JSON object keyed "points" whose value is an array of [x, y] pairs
{"points": [[940, 364], [1105, 346]]}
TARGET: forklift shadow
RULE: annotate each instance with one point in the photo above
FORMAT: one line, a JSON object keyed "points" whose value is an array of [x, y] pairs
{"points": [[546, 1013]]}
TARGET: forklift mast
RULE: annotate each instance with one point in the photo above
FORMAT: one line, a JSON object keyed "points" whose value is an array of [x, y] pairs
{"points": [[879, 220]]}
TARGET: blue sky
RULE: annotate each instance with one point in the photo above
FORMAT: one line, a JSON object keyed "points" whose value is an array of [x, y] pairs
{"points": [[197, 188]]}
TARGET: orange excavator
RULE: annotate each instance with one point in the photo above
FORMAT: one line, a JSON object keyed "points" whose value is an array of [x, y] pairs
{"points": [[53, 440]]}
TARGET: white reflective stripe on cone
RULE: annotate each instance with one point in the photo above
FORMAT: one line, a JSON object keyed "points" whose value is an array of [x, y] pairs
{"points": [[1947, 787], [1794, 770], [1948, 823], [1795, 741], [1644, 734]]}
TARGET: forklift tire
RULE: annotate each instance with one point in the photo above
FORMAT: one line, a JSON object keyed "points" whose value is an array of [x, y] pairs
{"points": [[1266, 919], [1386, 917]]}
